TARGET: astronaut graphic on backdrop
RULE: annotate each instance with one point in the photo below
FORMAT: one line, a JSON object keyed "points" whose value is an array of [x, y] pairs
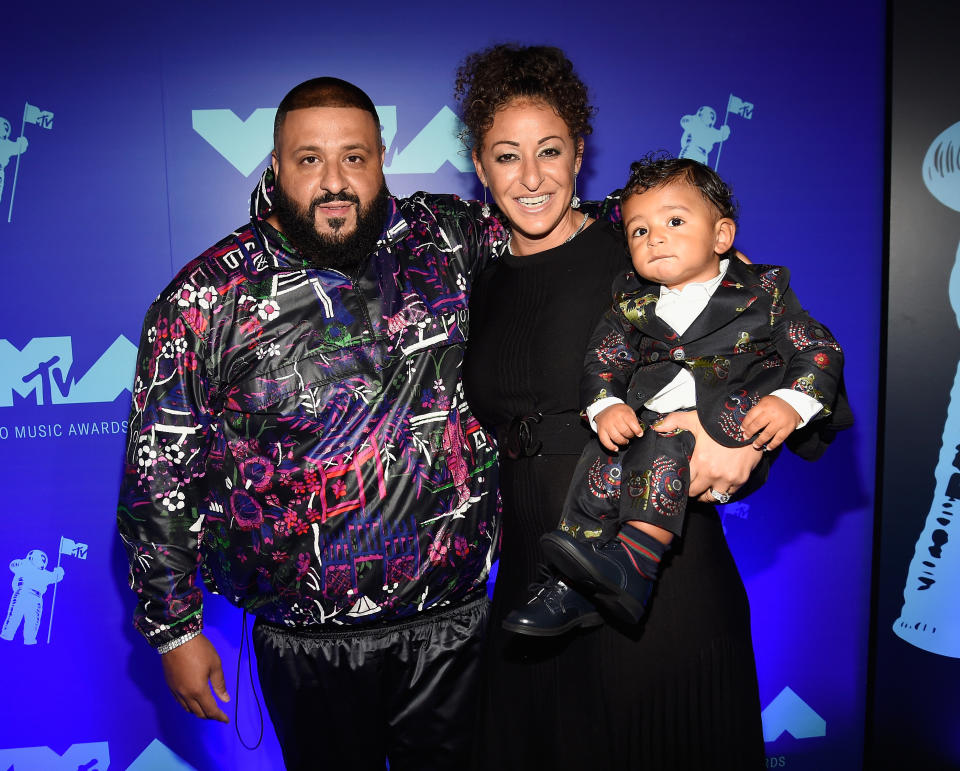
{"points": [[699, 134], [30, 580], [8, 148]]}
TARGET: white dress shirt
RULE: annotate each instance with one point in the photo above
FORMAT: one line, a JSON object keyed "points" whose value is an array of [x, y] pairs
{"points": [[679, 308]]}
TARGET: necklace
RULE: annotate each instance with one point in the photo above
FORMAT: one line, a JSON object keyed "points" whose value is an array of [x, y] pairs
{"points": [[574, 234]]}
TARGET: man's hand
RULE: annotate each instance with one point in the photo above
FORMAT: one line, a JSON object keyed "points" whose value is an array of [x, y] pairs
{"points": [[617, 425], [713, 466], [190, 671], [772, 420]]}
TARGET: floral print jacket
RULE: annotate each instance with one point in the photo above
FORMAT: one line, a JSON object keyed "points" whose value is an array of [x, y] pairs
{"points": [[301, 436]]}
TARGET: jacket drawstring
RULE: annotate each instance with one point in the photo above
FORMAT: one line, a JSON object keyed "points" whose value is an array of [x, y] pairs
{"points": [[236, 704]]}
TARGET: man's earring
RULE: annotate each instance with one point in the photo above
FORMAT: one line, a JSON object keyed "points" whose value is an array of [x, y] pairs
{"points": [[575, 201], [485, 209]]}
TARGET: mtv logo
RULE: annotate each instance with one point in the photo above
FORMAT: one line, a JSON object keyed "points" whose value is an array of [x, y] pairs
{"points": [[245, 144], [88, 756], [159, 757], [788, 712], [437, 142], [44, 369]]}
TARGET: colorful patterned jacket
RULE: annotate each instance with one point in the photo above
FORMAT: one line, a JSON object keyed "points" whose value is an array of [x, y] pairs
{"points": [[301, 435], [752, 338]]}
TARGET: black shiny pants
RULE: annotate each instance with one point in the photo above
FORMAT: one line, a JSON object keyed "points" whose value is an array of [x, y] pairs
{"points": [[352, 699]]}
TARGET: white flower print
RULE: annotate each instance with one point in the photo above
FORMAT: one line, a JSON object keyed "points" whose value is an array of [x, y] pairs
{"points": [[173, 501], [268, 310], [146, 454], [185, 295], [173, 453], [207, 296], [271, 349]]}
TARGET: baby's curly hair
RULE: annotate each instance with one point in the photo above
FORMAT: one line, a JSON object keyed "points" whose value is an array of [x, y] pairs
{"points": [[488, 79], [659, 169]]}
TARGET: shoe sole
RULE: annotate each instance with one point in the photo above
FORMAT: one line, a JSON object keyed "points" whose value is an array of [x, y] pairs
{"points": [[586, 620], [572, 565]]}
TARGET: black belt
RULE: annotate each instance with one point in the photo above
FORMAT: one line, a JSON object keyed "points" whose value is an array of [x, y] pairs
{"points": [[563, 434]]}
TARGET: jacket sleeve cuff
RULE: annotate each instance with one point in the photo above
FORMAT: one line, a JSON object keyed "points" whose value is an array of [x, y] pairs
{"points": [[165, 635]]}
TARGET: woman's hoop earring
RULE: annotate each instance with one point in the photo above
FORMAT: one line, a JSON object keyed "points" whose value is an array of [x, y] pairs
{"points": [[485, 209], [575, 201]]}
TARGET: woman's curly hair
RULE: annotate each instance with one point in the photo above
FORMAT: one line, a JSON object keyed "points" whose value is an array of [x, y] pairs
{"points": [[488, 79]]}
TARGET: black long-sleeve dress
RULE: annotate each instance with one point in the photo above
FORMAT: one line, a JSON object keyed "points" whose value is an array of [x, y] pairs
{"points": [[678, 691]]}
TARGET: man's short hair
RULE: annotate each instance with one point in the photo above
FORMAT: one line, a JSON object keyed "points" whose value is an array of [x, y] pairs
{"points": [[323, 92]]}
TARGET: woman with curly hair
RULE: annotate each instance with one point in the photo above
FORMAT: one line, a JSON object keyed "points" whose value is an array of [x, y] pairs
{"points": [[680, 690]]}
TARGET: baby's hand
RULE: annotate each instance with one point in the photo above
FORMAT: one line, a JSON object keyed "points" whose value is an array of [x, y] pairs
{"points": [[617, 425], [773, 420]]}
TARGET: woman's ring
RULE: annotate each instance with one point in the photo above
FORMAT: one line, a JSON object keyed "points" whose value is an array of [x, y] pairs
{"points": [[720, 497]]}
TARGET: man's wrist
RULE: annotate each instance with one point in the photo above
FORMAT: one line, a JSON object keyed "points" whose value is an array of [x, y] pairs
{"points": [[176, 643]]}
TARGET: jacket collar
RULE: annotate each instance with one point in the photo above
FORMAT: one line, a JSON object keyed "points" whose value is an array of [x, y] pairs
{"points": [[280, 249], [737, 291]]}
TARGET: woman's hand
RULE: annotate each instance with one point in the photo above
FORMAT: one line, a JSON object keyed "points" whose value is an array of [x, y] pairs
{"points": [[713, 466]]}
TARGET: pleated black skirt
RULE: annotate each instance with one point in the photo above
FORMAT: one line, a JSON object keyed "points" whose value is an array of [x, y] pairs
{"points": [[677, 692]]}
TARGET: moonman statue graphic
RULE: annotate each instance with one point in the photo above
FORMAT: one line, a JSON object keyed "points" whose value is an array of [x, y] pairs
{"points": [[30, 581], [699, 135], [8, 148]]}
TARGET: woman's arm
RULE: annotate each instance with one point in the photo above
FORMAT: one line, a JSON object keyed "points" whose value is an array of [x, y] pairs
{"points": [[724, 469]]}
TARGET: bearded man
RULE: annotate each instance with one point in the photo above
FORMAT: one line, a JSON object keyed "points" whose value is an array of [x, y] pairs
{"points": [[298, 432]]}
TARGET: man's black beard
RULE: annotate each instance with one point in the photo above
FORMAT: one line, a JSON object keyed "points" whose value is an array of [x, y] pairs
{"points": [[343, 253]]}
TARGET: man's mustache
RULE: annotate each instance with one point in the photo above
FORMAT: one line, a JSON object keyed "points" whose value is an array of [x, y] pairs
{"points": [[330, 198]]}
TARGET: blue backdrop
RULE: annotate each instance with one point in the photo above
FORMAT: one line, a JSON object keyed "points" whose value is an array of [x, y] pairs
{"points": [[134, 140]]}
